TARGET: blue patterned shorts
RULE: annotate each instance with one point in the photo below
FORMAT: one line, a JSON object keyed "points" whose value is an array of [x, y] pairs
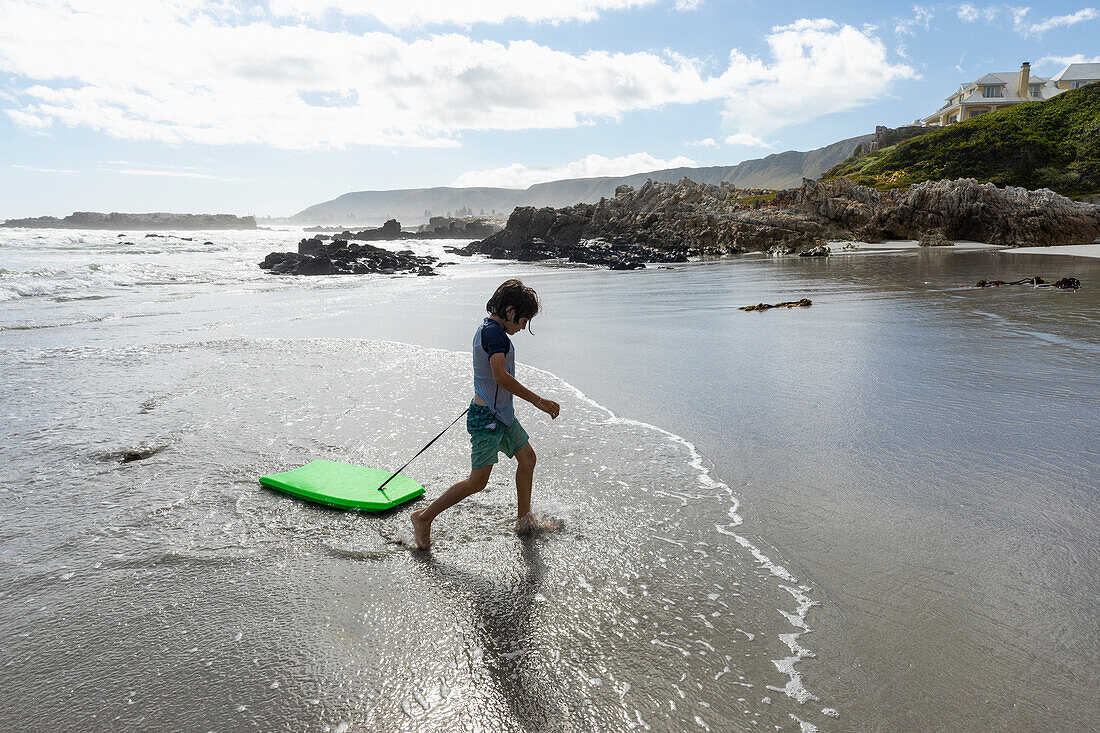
{"points": [[488, 437]]}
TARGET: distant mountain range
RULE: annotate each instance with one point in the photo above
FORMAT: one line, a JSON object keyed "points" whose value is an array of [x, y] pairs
{"points": [[412, 205]]}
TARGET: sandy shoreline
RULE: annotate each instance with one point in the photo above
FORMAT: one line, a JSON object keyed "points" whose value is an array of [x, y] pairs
{"points": [[844, 246], [1075, 250]]}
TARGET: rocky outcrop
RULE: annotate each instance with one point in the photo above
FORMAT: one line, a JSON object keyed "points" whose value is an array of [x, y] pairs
{"points": [[341, 257], [886, 136], [466, 227], [934, 239], [670, 222], [960, 209], [438, 227], [659, 222], [389, 231], [95, 220]]}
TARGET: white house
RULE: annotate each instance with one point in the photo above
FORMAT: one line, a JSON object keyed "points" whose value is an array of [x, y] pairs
{"points": [[1076, 75], [1006, 88]]}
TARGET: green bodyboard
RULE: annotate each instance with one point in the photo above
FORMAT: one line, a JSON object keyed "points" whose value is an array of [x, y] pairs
{"points": [[345, 486]]}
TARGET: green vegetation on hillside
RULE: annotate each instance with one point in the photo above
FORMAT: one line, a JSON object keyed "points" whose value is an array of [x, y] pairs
{"points": [[757, 199], [1053, 144]]}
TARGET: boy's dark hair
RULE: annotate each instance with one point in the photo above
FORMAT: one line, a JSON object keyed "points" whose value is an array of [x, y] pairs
{"points": [[514, 294]]}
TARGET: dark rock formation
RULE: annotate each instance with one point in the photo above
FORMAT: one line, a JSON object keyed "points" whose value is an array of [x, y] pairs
{"points": [[934, 239], [438, 227], [467, 227], [886, 136], [390, 230], [129, 455], [342, 257], [660, 222], [1066, 283], [314, 257], [961, 209], [95, 220], [664, 222], [320, 228], [804, 303]]}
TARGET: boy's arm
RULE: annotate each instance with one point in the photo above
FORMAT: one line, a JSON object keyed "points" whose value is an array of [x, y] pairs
{"points": [[507, 382]]}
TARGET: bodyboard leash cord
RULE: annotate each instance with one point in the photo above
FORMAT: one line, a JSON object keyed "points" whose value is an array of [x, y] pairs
{"points": [[429, 445]]}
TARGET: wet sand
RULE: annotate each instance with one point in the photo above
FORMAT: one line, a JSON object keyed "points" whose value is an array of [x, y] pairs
{"points": [[911, 457], [1076, 250]]}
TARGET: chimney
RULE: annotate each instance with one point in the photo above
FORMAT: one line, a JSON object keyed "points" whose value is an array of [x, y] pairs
{"points": [[1025, 81]]}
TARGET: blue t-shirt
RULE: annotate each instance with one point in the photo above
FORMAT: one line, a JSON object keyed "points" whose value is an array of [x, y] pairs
{"points": [[491, 338]]}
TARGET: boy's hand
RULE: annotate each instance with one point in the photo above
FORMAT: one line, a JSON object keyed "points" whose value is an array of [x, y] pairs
{"points": [[550, 407]]}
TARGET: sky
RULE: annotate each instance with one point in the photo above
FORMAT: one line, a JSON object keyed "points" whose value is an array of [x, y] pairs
{"points": [[265, 108]]}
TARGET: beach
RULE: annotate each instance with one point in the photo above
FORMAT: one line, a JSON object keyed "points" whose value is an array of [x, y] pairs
{"points": [[1074, 250], [875, 513]]}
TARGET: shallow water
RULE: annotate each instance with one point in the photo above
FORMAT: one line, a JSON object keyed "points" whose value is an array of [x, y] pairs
{"points": [[174, 572], [881, 513]]}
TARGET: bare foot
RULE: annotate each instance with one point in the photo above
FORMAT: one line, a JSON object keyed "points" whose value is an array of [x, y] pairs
{"points": [[422, 531], [529, 523]]}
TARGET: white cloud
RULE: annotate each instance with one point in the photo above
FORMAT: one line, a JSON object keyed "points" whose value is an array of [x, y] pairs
{"points": [[743, 138], [967, 13], [436, 12], [174, 174], [971, 14], [688, 4], [1058, 21], [1077, 58], [198, 71], [817, 68], [707, 142], [28, 121], [1028, 28], [518, 175], [181, 78], [922, 17], [1019, 18], [42, 170]]}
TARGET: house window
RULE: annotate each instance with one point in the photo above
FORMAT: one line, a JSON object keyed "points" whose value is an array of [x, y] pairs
{"points": [[993, 91], [976, 112], [1034, 88], [1075, 84], [952, 118]]}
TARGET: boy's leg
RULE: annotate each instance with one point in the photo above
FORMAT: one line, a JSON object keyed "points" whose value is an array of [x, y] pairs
{"points": [[422, 519], [525, 472], [527, 522]]}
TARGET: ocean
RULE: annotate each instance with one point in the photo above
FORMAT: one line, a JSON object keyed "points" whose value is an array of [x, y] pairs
{"points": [[876, 513]]}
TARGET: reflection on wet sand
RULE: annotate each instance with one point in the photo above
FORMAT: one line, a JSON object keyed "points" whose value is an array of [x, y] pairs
{"points": [[502, 613]]}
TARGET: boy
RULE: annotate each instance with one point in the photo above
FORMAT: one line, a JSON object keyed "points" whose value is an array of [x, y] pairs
{"points": [[491, 420]]}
